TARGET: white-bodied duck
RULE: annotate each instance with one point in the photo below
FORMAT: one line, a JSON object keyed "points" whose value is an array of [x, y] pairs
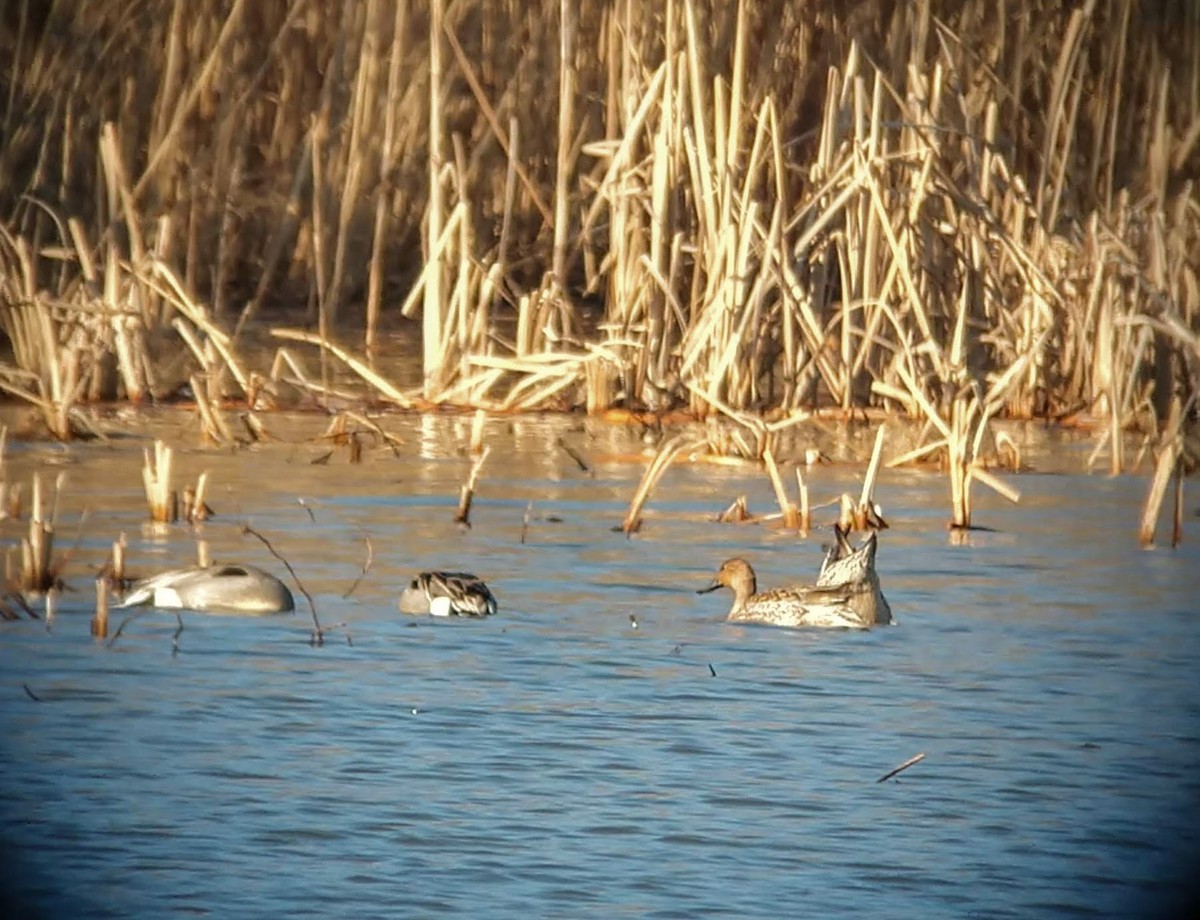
{"points": [[231, 588]]}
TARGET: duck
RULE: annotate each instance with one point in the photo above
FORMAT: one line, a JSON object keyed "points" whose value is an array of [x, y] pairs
{"points": [[847, 606], [845, 564], [230, 588], [447, 594]]}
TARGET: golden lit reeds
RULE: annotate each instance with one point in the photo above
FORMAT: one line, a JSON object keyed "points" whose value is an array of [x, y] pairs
{"points": [[954, 212]]}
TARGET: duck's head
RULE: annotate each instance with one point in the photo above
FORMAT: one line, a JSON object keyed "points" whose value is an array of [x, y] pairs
{"points": [[735, 574]]}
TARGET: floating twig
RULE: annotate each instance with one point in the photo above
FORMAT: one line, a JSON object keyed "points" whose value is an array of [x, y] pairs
{"points": [[574, 455], [178, 633], [29, 693], [711, 670], [318, 633], [525, 521], [125, 622], [904, 766], [366, 567]]}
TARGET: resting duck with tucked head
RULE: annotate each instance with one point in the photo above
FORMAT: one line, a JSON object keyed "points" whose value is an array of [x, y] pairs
{"points": [[232, 588], [447, 594]]}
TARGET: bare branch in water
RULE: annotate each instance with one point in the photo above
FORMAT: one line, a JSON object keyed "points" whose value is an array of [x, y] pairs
{"points": [[29, 693], [904, 766], [318, 634], [175, 638], [525, 521], [574, 455], [366, 566], [125, 622], [303, 504]]}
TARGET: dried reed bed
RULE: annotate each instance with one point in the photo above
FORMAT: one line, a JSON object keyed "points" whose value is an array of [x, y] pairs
{"points": [[951, 211]]}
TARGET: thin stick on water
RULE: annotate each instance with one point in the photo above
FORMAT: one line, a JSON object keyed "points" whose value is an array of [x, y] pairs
{"points": [[525, 521], [365, 568], [574, 455], [178, 632], [467, 495], [904, 766], [137, 614], [318, 634]]}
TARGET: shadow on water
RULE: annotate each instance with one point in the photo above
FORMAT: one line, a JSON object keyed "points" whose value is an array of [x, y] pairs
{"points": [[606, 744]]}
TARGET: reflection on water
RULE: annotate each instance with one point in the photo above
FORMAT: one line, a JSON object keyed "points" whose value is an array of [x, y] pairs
{"points": [[555, 760]]}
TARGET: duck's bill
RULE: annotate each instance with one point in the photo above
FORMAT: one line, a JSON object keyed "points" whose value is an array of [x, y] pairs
{"points": [[712, 587]]}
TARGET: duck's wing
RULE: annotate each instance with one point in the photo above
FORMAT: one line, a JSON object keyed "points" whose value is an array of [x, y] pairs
{"points": [[161, 589], [456, 594]]}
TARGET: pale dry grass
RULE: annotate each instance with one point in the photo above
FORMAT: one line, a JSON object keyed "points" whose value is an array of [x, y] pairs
{"points": [[950, 211]]}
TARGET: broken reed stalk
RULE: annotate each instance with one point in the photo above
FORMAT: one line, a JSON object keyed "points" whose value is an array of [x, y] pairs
{"points": [[666, 454], [1168, 464], [865, 514], [163, 503], [791, 514], [195, 509], [100, 618], [477, 423], [805, 508], [38, 567], [467, 495], [114, 567], [736, 513], [203, 554], [900, 769], [213, 428]]}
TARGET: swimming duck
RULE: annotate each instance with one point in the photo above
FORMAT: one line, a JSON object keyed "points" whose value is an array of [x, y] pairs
{"points": [[231, 588], [850, 606], [846, 565], [447, 594]]}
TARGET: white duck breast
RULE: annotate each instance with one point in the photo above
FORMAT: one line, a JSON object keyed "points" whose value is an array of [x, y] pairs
{"points": [[447, 594]]}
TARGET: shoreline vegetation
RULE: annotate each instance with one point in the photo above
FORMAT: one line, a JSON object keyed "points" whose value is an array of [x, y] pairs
{"points": [[945, 212]]}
